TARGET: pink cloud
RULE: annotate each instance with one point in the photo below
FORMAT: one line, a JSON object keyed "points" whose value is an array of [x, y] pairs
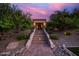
{"points": [[44, 13], [38, 16], [58, 6], [36, 12]]}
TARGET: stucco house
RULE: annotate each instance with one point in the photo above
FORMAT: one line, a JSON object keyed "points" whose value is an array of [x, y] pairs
{"points": [[39, 23]]}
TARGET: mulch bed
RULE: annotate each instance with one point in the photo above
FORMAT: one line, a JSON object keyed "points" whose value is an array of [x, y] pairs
{"points": [[72, 40], [8, 38]]}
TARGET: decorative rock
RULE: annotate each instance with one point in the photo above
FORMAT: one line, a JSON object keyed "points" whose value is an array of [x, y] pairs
{"points": [[5, 53], [12, 45], [13, 54], [19, 51], [56, 29], [50, 41], [30, 39]]}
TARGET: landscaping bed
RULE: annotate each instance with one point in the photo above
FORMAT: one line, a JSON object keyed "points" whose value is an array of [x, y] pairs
{"points": [[68, 37], [11, 37], [75, 50]]}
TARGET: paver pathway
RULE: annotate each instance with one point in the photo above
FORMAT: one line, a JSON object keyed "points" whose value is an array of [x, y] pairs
{"points": [[40, 45], [59, 51]]}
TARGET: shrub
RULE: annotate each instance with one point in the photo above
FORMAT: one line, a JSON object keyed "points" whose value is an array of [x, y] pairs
{"points": [[22, 36], [67, 33], [75, 50], [54, 36], [77, 30]]}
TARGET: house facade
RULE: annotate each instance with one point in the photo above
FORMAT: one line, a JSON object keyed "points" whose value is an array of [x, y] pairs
{"points": [[39, 23]]}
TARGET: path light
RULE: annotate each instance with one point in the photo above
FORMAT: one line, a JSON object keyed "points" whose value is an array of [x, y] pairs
{"points": [[44, 24], [34, 24]]}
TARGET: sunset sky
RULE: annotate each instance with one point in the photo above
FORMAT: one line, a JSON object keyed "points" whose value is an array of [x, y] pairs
{"points": [[44, 10]]}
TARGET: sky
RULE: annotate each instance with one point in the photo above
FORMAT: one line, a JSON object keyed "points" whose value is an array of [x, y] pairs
{"points": [[44, 10]]}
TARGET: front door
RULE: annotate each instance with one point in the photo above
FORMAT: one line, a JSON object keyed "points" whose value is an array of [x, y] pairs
{"points": [[39, 25]]}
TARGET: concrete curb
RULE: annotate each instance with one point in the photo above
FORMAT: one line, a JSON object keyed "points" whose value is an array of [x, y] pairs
{"points": [[50, 41], [68, 51], [30, 39]]}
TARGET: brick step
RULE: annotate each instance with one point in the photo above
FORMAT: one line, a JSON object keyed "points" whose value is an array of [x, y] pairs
{"points": [[39, 37], [39, 33], [35, 44], [42, 42], [38, 40]]}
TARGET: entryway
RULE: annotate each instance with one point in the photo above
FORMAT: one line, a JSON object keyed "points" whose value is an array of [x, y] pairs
{"points": [[39, 25]]}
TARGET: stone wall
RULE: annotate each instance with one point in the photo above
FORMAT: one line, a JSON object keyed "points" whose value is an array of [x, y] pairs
{"points": [[68, 51], [50, 41], [30, 39]]}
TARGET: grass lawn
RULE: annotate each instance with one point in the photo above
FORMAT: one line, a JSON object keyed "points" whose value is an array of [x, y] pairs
{"points": [[75, 50]]}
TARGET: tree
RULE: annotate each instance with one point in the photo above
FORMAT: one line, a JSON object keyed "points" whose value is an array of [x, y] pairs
{"points": [[21, 20], [12, 18], [5, 18], [65, 20]]}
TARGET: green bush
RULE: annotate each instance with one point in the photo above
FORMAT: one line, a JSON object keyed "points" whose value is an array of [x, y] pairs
{"points": [[22, 37], [77, 30], [75, 50], [54, 36], [68, 33]]}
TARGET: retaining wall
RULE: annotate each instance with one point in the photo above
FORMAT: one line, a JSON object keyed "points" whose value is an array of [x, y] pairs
{"points": [[50, 41], [30, 39]]}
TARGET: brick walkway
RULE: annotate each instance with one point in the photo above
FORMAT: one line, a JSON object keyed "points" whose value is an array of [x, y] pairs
{"points": [[40, 46], [59, 51]]}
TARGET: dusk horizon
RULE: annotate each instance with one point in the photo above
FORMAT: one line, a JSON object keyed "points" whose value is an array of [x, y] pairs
{"points": [[44, 10]]}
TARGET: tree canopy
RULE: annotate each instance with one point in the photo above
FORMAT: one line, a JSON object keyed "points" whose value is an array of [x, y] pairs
{"points": [[13, 18], [64, 19]]}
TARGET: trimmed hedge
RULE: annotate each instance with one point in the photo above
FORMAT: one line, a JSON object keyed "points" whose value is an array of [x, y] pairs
{"points": [[22, 36], [68, 33], [54, 36]]}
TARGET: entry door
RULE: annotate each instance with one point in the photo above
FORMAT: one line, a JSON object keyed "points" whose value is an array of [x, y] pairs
{"points": [[39, 25]]}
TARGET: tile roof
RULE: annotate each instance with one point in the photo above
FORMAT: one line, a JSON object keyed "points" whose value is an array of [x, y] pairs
{"points": [[39, 19]]}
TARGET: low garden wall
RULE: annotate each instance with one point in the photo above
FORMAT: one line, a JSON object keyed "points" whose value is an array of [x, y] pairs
{"points": [[30, 39], [50, 41], [68, 51]]}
